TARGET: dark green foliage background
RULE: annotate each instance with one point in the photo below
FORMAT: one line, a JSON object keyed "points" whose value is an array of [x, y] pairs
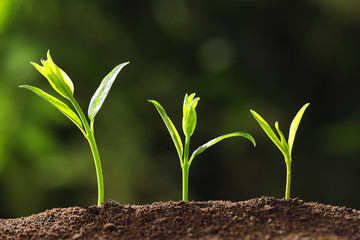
{"points": [[270, 56]]}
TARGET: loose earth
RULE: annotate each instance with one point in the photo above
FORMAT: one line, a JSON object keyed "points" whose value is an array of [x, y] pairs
{"points": [[261, 218]]}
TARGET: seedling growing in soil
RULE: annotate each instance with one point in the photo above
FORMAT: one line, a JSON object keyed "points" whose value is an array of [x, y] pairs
{"points": [[61, 82], [285, 147], [188, 125]]}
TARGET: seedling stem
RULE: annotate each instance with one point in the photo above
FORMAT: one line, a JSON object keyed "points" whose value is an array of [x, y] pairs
{"points": [[186, 167]]}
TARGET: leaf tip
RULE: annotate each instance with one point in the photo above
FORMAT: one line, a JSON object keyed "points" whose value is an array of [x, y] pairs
{"points": [[253, 113], [121, 65], [25, 86], [253, 141], [48, 55], [305, 106], [34, 64]]}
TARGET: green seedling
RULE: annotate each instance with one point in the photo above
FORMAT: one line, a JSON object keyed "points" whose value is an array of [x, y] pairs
{"points": [[61, 82], [188, 125], [285, 147]]}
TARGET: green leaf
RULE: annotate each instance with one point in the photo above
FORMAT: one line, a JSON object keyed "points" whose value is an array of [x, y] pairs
{"points": [[189, 114], [171, 128], [294, 126], [57, 78], [40, 69], [284, 147], [268, 130], [187, 102], [101, 93], [218, 139], [282, 138], [59, 105]]}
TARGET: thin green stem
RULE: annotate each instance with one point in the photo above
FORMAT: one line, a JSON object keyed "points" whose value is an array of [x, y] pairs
{"points": [[185, 178], [288, 178], [185, 170], [99, 174], [91, 139]]}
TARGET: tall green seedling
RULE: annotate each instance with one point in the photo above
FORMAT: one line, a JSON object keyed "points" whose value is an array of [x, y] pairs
{"points": [[188, 124], [62, 84], [284, 146]]}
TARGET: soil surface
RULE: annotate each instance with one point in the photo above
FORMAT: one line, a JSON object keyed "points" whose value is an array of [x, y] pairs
{"points": [[261, 218]]}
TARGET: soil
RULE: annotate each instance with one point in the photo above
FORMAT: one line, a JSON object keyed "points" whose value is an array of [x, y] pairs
{"points": [[261, 218]]}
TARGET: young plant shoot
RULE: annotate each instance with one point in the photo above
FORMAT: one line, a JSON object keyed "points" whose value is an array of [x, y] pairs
{"points": [[285, 147], [188, 125], [61, 83]]}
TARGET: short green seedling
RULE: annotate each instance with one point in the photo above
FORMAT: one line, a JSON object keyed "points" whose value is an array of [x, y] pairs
{"points": [[188, 125], [60, 81], [285, 147]]}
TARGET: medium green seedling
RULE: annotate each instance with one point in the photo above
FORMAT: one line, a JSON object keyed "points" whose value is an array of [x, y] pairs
{"points": [[285, 147], [188, 125], [61, 82]]}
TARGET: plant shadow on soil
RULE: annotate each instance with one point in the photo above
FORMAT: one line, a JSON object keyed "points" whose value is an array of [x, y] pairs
{"points": [[260, 218]]}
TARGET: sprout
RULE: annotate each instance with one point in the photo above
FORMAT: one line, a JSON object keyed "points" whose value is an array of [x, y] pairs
{"points": [[61, 82], [189, 124], [285, 147]]}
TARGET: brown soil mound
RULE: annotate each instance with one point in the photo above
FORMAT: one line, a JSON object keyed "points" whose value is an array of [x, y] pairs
{"points": [[263, 218]]}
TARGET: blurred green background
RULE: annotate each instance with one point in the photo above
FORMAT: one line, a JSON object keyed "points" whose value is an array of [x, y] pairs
{"points": [[270, 56]]}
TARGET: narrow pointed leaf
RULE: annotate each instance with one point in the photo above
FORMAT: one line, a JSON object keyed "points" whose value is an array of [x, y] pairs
{"points": [[101, 93], [171, 128], [268, 130], [59, 105], [218, 139], [48, 56], [284, 146], [185, 105], [39, 68], [282, 138], [294, 126]]}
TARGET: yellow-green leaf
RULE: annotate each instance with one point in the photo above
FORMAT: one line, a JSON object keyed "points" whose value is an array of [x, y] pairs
{"points": [[171, 128], [59, 105], [57, 78], [189, 114], [218, 139], [101, 93], [268, 130], [294, 126]]}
